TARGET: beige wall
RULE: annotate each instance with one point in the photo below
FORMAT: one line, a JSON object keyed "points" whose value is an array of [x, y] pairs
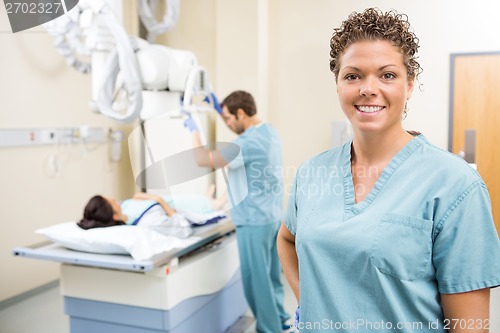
{"points": [[286, 66], [278, 50], [232, 46], [303, 92], [38, 90]]}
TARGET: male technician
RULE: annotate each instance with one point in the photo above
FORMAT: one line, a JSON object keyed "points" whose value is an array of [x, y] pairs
{"points": [[258, 216]]}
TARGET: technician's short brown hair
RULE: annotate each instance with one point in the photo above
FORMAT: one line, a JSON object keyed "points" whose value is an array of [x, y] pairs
{"points": [[240, 100]]}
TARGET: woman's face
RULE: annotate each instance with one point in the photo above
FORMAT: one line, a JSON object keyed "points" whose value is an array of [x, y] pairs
{"points": [[117, 209], [373, 86]]}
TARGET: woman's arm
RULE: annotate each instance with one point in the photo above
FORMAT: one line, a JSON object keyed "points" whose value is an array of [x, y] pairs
{"points": [[288, 258], [467, 312], [149, 196]]}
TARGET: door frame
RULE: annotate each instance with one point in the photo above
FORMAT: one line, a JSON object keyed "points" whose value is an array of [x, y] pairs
{"points": [[453, 56]]}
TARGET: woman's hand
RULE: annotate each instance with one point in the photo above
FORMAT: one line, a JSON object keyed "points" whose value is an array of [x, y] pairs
{"points": [[146, 196], [149, 196]]}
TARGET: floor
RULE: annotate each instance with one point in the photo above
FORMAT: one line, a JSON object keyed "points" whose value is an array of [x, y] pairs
{"points": [[40, 313], [43, 312]]}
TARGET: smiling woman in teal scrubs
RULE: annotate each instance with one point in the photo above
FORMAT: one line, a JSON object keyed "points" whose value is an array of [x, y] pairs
{"points": [[387, 233]]}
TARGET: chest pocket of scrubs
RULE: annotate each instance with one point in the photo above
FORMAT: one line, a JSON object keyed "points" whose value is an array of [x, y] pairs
{"points": [[402, 246]]}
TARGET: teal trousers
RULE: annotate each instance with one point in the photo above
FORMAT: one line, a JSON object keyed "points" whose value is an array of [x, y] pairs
{"points": [[261, 275]]}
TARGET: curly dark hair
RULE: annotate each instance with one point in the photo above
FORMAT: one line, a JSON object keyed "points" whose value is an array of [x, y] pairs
{"points": [[372, 25]]}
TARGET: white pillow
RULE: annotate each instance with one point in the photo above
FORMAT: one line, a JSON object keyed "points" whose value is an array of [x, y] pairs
{"points": [[140, 243]]}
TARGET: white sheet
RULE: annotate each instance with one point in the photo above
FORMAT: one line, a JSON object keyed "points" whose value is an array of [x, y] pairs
{"points": [[141, 243]]}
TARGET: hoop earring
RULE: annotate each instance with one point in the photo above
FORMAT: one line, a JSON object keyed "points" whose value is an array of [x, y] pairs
{"points": [[405, 111]]}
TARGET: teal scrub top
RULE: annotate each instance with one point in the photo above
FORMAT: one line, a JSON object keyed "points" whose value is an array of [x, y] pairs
{"points": [[380, 265], [256, 178]]}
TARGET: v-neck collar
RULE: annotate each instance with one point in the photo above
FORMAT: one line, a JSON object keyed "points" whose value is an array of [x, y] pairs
{"points": [[352, 208]]}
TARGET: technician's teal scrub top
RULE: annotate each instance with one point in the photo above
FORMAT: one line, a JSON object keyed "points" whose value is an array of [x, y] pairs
{"points": [[256, 179], [379, 265]]}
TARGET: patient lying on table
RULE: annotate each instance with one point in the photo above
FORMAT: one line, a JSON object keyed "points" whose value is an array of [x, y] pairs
{"points": [[147, 210]]}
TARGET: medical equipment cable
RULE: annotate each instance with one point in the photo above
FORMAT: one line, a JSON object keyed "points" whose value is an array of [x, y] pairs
{"points": [[122, 58], [68, 42], [54, 163], [228, 187], [146, 10], [68, 39]]}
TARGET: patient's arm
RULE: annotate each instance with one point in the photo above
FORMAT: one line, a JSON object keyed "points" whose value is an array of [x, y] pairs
{"points": [[149, 196]]}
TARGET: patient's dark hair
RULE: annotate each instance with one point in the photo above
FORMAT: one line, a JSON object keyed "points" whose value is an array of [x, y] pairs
{"points": [[98, 213]]}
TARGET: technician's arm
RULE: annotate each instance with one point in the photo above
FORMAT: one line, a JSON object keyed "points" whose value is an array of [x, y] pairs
{"points": [[203, 157], [467, 312], [288, 258]]}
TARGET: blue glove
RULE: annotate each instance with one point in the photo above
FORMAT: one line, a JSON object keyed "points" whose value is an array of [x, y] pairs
{"points": [[297, 317], [190, 124], [215, 101]]}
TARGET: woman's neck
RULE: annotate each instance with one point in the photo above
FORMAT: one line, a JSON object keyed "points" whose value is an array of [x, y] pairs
{"points": [[377, 149]]}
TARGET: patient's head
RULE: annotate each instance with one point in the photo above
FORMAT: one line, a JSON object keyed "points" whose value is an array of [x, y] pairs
{"points": [[100, 212]]}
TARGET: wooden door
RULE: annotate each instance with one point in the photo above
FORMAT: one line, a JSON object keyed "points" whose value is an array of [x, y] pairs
{"points": [[475, 105]]}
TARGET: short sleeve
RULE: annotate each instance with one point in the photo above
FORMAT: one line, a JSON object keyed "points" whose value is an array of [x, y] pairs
{"points": [[466, 251], [233, 153], [290, 218]]}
